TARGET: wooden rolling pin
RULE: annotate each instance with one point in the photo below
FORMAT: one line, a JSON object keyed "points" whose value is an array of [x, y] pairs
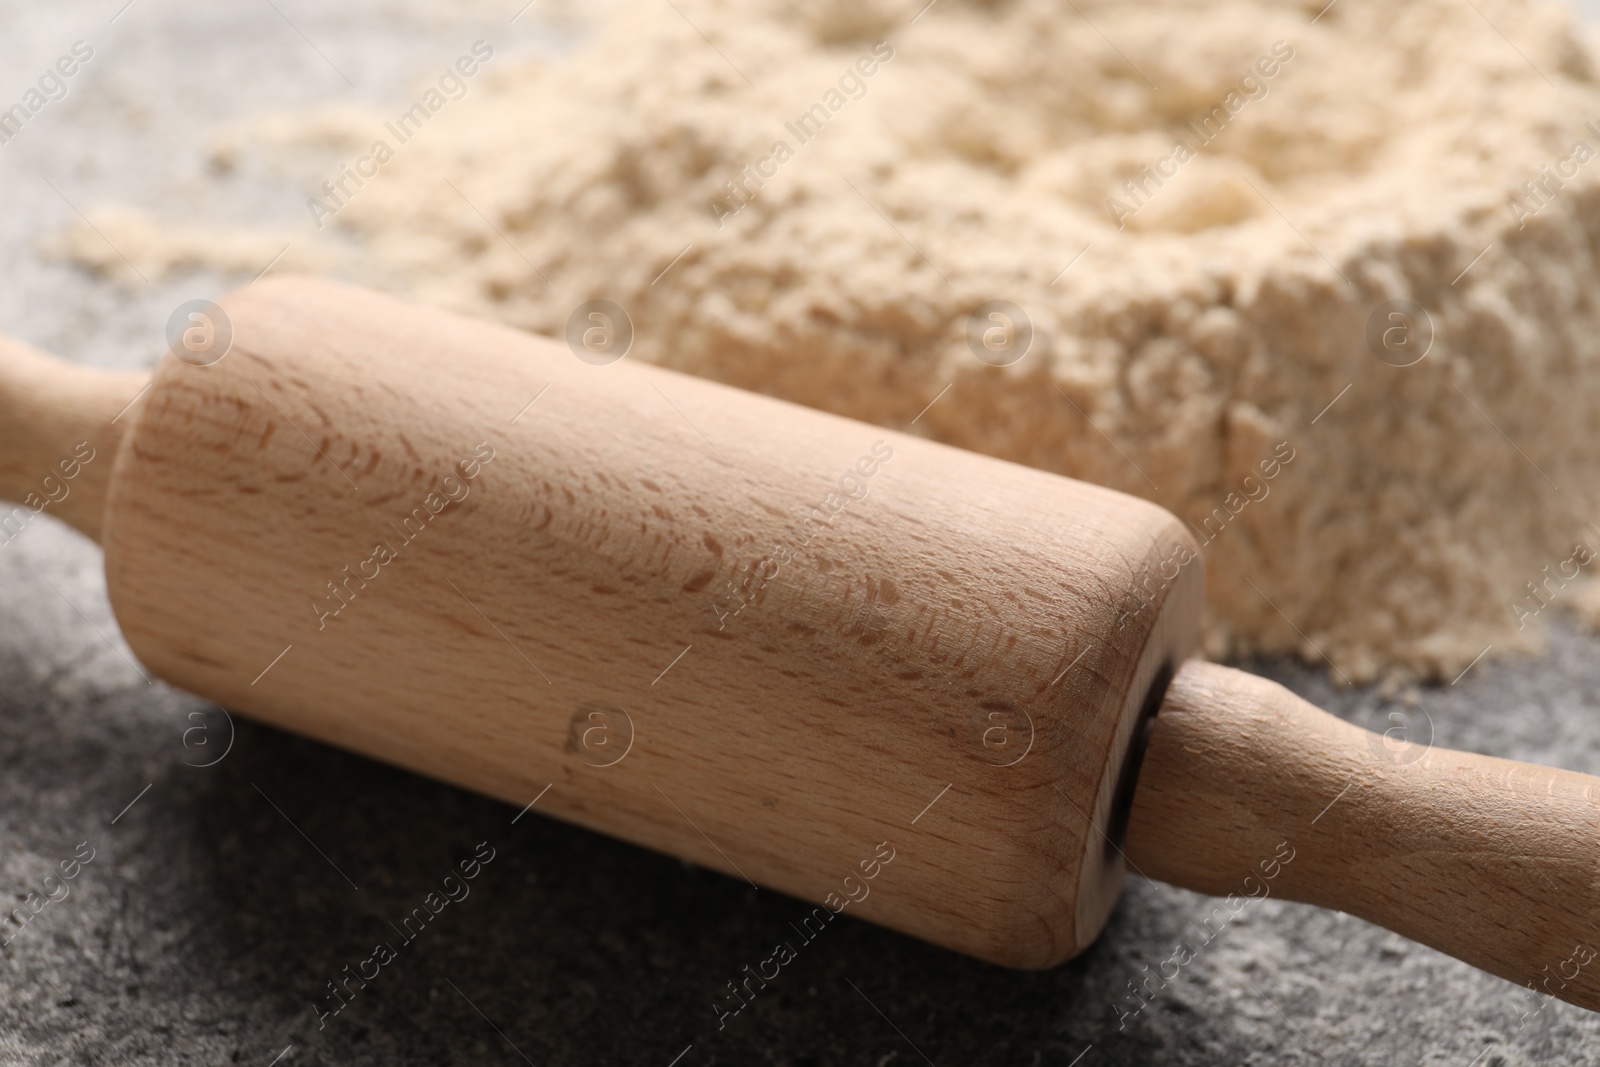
{"points": [[778, 643]]}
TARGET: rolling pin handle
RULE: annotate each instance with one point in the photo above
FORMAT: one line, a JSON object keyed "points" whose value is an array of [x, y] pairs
{"points": [[1248, 791], [60, 426]]}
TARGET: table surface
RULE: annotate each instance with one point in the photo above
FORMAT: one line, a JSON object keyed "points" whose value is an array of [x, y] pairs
{"points": [[221, 899]]}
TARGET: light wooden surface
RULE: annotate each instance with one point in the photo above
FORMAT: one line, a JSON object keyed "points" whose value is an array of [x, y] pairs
{"points": [[962, 613], [1493, 861], [60, 439], [770, 640]]}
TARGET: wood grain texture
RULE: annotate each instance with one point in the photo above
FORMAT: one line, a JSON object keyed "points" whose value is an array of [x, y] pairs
{"points": [[952, 663], [1492, 861], [773, 641], [59, 436]]}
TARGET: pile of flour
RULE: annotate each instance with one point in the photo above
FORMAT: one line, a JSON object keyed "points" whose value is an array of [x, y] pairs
{"points": [[1203, 209]]}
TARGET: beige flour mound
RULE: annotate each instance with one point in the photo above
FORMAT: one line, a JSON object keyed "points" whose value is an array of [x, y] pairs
{"points": [[1189, 355]]}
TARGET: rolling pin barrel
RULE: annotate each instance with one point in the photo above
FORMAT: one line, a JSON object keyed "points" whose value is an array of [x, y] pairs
{"points": [[779, 643], [764, 638]]}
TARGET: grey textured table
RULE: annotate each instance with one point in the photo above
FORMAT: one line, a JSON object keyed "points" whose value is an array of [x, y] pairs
{"points": [[220, 900]]}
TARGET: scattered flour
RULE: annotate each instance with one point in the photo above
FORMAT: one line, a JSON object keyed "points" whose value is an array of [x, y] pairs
{"points": [[1199, 205], [127, 243]]}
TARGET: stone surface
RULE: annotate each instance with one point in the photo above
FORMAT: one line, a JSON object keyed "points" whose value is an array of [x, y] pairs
{"points": [[221, 902]]}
